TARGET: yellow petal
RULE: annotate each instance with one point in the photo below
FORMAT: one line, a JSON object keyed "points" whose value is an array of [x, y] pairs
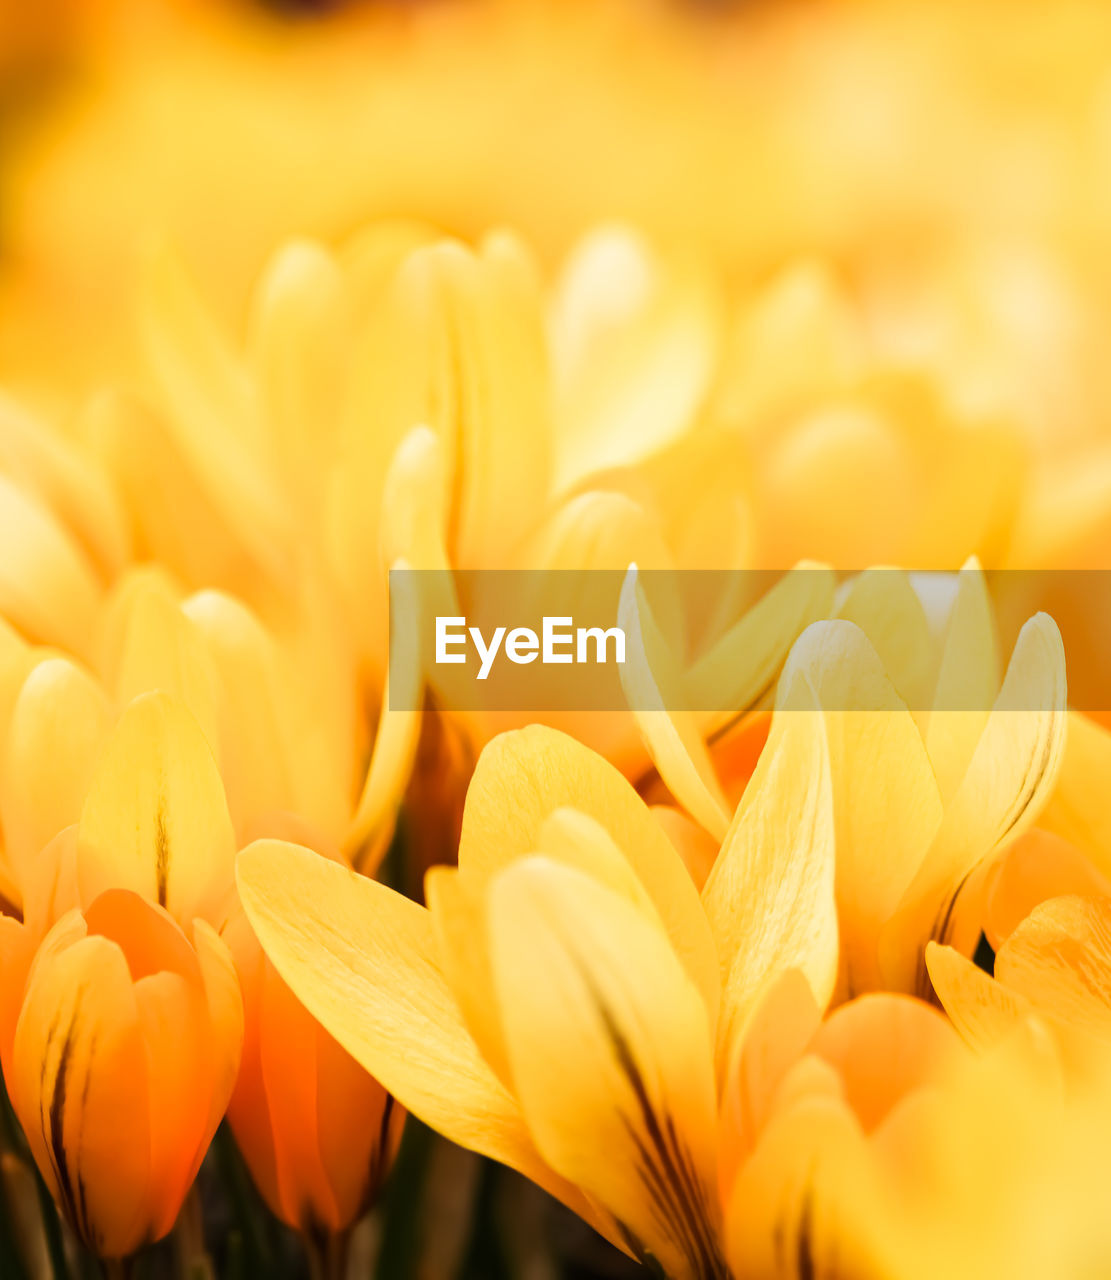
{"points": [[504, 417], [1035, 868], [48, 588], [67, 481], [770, 898], [178, 521], [742, 666], [613, 1066], [155, 819], [1009, 779], [212, 416], [671, 733], [457, 904], [299, 345], [797, 339], [885, 606], [1076, 810], [698, 850], [146, 643], [885, 1047], [252, 727], [598, 529], [573, 839], [810, 1202], [885, 802], [524, 776], [635, 340], [397, 734], [774, 1038], [1059, 959], [58, 726], [363, 961], [967, 681], [984, 1011]]}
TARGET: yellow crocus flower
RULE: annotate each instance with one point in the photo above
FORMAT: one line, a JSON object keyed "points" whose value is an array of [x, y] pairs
{"points": [[936, 764], [566, 1002]]}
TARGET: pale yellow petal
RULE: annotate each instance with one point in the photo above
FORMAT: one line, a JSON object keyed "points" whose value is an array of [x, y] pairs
{"points": [[146, 643], [809, 1203], [1009, 779], [155, 819], [212, 415], [884, 605], [252, 729], [742, 666], [967, 681], [1076, 809], [48, 587], [983, 1010], [611, 1056], [524, 776], [299, 345], [885, 801], [68, 481], [653, 689], [770, 896], [635, 340], [59, 723], [1059, 959]]}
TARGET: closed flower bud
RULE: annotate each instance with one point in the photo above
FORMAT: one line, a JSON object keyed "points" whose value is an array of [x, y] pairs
{"points": [[123, 1058], [318, 1132]]}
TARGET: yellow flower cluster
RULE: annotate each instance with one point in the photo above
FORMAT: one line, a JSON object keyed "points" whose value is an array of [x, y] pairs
{"points": [[797, 964]]}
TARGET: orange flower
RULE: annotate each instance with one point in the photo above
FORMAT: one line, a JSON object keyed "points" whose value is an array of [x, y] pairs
{"points": [[318, 1132], [120, 1062]]}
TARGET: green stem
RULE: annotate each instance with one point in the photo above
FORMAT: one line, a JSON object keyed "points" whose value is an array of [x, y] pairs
{"points": [[193, 1257]]}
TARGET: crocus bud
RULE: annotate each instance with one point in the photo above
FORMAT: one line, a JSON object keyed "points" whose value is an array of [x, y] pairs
{"points": [[124, 1055], [317, 1131]]}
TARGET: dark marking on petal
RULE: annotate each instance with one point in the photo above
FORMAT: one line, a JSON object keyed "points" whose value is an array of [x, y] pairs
{"points": [[161, 852], [82, 1196], [54, 1127], [741, 712], [380, 1155], [665, 1164], [804, 1250], [940, 933]]}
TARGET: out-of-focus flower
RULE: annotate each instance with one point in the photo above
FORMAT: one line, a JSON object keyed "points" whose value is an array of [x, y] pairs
{"points": [[120, 1063], [830, 419], [66, 534], [1047, 915], [748, 130], [934, 761], [871, 1145], [605, 1092], [811, 1118]]}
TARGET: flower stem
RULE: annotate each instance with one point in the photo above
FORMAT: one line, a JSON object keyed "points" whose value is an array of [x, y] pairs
{"points": [[327, 1254]]}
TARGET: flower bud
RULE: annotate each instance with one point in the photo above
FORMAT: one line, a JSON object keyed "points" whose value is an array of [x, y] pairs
{"points": [[124, 1055]]}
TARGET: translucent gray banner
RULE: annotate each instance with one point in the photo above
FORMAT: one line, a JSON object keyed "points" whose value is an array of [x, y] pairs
{"points": [[716, 642]]}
